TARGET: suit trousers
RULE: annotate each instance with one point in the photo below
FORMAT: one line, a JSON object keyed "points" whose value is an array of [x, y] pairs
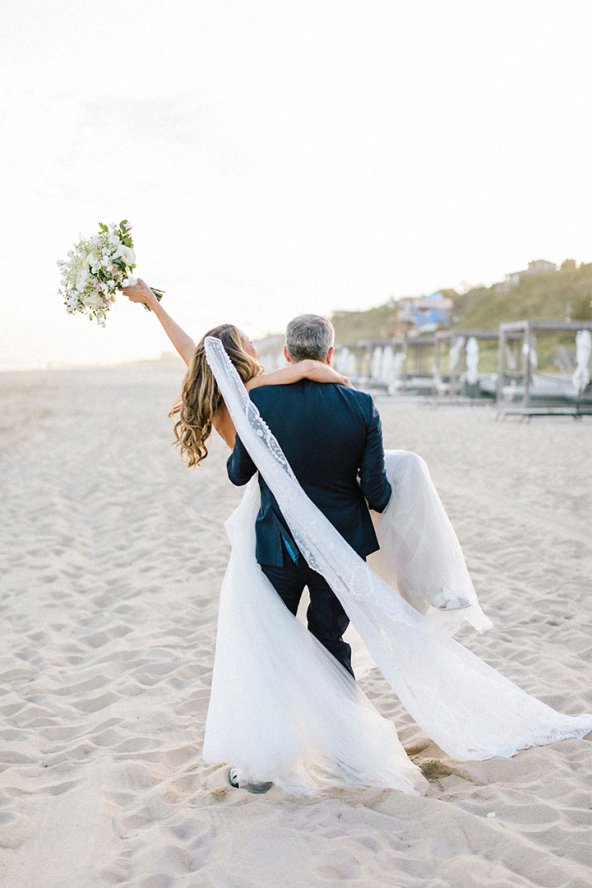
{"points": [[327, 619]]}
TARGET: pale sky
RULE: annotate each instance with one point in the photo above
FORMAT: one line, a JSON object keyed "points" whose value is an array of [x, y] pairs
{"points": [[282, 156]]}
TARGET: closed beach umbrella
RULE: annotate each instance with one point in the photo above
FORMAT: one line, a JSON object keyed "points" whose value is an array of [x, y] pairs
{"points": [[472, 361], [581, 376]]}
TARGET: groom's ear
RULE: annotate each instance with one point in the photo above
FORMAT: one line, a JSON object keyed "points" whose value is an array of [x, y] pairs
{"points": [[330, 354], [286, 355]]}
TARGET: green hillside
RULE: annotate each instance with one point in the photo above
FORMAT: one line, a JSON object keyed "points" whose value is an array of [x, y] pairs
{"points": [[555, 296], [374, 323], [560, 295]]}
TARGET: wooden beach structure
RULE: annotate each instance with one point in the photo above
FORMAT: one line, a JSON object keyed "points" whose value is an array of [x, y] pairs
{"points": [[415, 365], [460, 338], [420, 351], [370, 361], [523, 331]]}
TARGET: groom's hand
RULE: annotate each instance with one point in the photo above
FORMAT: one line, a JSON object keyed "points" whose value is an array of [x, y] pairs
{"points": [[373, 479]]}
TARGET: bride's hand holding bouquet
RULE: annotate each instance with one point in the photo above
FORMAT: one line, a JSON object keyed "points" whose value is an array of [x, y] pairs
{"points": [[138, 291], [99, 266]]}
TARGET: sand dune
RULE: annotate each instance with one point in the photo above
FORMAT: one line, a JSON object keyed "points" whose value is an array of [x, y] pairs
{"points": [[112, 554]]}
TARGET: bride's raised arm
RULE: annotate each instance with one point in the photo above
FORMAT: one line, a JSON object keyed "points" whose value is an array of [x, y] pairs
{"points": [[317, 371], [141, 292], [184, 344]]}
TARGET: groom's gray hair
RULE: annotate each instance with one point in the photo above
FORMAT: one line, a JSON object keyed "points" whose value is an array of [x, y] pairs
{"points": [[309, 336]]}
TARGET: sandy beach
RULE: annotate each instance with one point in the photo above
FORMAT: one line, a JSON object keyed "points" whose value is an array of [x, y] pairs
{"points": [[112, 555]]}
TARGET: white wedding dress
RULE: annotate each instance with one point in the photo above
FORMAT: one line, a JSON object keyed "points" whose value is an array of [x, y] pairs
{"points": [[283, 709]]}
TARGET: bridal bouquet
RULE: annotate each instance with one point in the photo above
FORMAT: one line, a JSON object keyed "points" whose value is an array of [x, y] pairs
{"points": [[96, 268]]}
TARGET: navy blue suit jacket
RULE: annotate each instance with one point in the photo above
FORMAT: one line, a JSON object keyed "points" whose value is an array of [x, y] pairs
{"points": [[330, 434]]}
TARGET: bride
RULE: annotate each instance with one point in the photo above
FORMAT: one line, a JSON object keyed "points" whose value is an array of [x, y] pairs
{"points": [[281, 708]]}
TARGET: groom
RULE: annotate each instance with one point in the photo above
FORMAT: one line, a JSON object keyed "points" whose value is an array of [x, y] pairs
{"points": [[331, 436]]}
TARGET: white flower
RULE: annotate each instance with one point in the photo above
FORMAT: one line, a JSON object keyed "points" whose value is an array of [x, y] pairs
{"points": [[81, 280], [125, 253], [125, 282], [92, 258]]}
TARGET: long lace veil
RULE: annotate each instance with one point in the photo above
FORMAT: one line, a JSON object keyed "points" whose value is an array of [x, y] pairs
{"points": [[466, 706]]}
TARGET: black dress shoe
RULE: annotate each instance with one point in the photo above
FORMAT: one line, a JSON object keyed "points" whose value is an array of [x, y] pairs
{"points": [[250, 787]]}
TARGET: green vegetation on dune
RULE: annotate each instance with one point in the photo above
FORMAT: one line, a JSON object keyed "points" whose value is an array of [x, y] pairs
{"points": [[555, 296], [374, 323]]}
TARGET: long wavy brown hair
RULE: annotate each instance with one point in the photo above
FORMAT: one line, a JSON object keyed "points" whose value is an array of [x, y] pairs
{"points": [[200, 396]]}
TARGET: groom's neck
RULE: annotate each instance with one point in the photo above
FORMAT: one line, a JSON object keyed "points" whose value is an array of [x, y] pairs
{"points": [[325, 360]]}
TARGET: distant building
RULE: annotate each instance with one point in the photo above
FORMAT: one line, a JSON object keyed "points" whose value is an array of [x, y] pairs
{"points": [[423, 314], [535, 266]]}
